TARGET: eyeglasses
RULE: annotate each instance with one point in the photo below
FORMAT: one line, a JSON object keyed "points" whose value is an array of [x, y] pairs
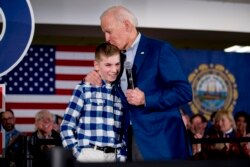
{"points": [[7, 119]]}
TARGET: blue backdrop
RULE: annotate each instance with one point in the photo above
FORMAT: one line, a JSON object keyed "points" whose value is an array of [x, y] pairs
{"points": [[236, 64]]}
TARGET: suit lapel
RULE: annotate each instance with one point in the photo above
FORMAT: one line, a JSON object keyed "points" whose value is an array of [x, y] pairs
{"points": [[140, 54]]}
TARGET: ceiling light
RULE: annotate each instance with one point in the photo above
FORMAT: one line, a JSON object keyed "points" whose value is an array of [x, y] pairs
{"points": [[245, 49], [238, 49]]}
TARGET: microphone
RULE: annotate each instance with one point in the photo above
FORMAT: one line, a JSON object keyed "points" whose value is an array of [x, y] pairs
{"points": [[128, 67]]}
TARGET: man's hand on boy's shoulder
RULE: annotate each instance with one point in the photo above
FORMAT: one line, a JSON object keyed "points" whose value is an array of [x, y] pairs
{"points": [[93, 78]]}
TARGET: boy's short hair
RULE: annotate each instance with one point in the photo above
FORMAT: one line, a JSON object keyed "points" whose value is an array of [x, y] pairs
{"points": [[105, 49]]}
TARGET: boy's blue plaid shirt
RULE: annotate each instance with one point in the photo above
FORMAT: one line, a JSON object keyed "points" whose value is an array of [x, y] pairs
{"points": [[94, 115]]}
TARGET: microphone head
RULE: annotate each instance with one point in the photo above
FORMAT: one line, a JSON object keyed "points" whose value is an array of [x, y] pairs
{"points": [[128, 65]]}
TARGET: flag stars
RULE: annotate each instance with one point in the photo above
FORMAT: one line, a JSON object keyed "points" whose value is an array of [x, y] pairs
{"points": [[46, 74], [35, 74]]}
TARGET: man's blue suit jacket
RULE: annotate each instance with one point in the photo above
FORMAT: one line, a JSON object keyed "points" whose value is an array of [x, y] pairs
{"points": [[158, 127]]}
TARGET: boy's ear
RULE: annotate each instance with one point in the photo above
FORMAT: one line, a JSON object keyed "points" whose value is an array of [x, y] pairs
{"points": [[96, 65]]}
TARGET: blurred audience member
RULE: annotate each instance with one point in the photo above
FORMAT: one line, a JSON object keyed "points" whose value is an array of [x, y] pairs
{"points": [[211, 129], [242, 123], [57, 122], [8, 122], [198, 124], [12, 135], [242, 130], [225, 123], [44, 130]]}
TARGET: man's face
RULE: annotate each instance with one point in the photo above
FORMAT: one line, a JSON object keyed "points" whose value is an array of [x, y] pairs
{"points": [[45, 124], [109, 67], [115, 32], [8, 121], [197, 126]]}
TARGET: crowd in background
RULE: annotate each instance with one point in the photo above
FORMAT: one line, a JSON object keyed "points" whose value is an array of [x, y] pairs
{"points": [[222, 124], [20, 145]]}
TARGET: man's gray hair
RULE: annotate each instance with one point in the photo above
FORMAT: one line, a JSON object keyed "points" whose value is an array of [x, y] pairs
{"points": [[43, 113], [121, 13]]}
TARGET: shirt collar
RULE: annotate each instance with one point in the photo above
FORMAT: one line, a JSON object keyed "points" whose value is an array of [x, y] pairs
{"points": [[135, 43], [12, 131], [229, 131], [107, 85]]}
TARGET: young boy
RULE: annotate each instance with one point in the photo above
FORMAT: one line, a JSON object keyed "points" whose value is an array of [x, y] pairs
{"points": [[92, 123]]}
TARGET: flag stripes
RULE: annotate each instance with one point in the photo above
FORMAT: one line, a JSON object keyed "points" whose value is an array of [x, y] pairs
{"points": [[71, 64]]}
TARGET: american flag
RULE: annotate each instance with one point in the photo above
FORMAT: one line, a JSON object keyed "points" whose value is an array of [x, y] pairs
{"points": [[45, 79]]}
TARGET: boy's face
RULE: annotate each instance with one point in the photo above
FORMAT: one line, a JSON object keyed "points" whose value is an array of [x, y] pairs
{"points": [[108, 67]]}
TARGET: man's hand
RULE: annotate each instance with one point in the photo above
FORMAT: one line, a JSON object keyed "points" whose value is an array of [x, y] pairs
{"points": [[93, 78], [135, 97]]}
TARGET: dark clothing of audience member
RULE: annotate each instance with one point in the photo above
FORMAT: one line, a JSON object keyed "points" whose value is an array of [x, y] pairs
{"points": [[224, 128], [41, 146], [243, 130], [12, 136], [45, 138]]}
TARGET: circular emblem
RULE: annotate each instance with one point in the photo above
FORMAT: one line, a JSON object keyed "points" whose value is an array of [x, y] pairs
{"points": [[17, 33], [214, 89]]}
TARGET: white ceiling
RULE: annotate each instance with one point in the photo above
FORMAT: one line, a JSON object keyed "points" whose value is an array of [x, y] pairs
{"points": [[199, 24]]}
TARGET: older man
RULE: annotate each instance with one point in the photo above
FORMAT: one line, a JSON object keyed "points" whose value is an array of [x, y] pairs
{"points": [[160, 89]]}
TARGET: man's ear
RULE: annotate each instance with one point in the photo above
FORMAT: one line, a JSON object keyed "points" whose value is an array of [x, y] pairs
{"points": [[127, 25], [96, 65]]}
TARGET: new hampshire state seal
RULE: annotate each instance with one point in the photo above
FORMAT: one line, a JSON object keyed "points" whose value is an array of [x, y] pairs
{"points": [[214, 88]]}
